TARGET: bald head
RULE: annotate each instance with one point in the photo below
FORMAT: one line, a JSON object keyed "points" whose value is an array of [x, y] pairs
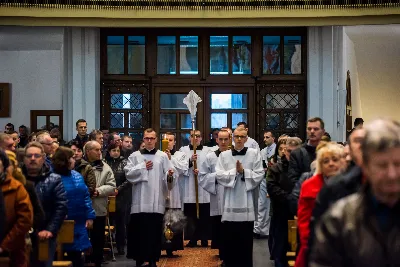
{"points": [[92, 150]]}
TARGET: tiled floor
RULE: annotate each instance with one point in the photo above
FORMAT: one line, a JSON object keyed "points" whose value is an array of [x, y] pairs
{"points": [[260, 252]]}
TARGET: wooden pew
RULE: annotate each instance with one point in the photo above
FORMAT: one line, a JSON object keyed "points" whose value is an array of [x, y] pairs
{"points": [[292, 239], [65, 236]]}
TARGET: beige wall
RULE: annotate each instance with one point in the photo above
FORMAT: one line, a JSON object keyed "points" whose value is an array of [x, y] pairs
{"points": [[373, 59]]}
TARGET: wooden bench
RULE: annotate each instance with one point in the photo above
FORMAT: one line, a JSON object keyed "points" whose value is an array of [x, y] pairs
{"points": [[292, 239], [65, 236]]}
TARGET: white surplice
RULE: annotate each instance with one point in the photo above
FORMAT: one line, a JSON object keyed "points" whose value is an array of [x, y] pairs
{"points": [[239, 188], [250, 143], [189, 182], [150, 186], [208, 182], [181, 166]]}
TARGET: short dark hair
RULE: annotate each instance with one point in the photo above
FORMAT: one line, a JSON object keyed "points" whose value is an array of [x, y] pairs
{"points": [[315, 119], [61, 160], [269, 131], [149, 130], [358, 121], [242, 123], [23, 126], [93, 134], [79, 121], [75, 143]]}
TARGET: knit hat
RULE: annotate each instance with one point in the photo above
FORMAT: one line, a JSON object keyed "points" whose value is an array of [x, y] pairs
{"points": [[4, 159]]}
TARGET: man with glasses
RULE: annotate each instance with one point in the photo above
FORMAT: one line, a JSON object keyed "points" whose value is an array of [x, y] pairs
{"points": [[250, 141], [6, 142], [52, 196], [261, 225], [208, 182], [240, 171], [197, 228], [150, 171], [46, 141]]}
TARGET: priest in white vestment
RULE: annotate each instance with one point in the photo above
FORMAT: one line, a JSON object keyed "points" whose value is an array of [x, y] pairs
{"points": [[173, 198], [150, 171], [240, 171], [197, 229], [208, 182]]}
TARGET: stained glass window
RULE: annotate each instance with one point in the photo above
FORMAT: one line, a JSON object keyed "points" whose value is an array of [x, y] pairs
{"points": [[292, 54], [241, 55], [271, 55]]}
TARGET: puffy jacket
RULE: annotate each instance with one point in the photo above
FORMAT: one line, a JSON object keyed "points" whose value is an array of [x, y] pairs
{"points": [[79, 209], [358, 231], [87, 172], [52, 196], [308, 194], [19, 220]]}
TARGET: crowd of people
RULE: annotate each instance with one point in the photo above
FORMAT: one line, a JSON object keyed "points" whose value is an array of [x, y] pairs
{"points": [[345, 197]]}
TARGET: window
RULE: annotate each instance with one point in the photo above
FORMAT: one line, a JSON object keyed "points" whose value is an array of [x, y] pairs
{"points": [[136, 54], [292, 54], [241, 55], [219, 60], [271, 55], [228, 109], [189, 54], [115, 54], [166, 55]]}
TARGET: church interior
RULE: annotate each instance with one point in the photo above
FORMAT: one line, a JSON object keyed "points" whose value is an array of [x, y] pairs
{"points": [[126, 65]]}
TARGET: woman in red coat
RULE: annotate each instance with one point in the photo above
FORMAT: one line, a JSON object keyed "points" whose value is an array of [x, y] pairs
{"points": [[329, 164]]}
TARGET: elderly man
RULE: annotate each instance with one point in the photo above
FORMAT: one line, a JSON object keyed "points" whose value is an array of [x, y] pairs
{"points": [[105, 187], [52, 196], [363, 229]]}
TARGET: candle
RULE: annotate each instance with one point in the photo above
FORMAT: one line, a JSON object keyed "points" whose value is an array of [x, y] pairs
{"points": [[164, 143]]}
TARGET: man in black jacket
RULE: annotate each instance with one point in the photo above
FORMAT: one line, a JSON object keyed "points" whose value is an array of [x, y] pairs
{"points": [[300, 159], [51, 193]]}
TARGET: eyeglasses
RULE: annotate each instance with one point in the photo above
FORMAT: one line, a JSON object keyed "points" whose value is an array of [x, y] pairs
{"points": [[196, 136], [48, 144], [36, 156], [239, 136], [149, 138]]}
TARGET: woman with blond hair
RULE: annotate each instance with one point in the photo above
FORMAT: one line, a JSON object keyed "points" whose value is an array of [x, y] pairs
{"points": [[328, 164]]}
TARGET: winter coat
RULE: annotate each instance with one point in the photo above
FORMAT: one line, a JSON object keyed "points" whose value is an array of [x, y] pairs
{"points": [[308, 194], [336, 188], [38, 213], [124, 187], [105, 185], [279, 187], [293, 197], [79, 209], [300, 161], [87, 172], [52, 196], [19, 220], [358, 231]]}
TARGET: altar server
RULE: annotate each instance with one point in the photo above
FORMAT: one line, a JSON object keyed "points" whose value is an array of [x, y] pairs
{"points": [[240, 171], [209, 183], [175, 196], [197, 229], [150, 171]]}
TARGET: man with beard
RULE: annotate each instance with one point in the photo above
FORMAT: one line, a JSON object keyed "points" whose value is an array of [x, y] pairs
{"points": [[209, 183], [240, 171]]}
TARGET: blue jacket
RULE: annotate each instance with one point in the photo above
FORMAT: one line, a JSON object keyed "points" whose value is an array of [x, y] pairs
{"points": [[79, 209], [52, 196]]}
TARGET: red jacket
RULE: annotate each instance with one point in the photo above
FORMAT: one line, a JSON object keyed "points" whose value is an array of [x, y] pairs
{"points": [[308, 195]]}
